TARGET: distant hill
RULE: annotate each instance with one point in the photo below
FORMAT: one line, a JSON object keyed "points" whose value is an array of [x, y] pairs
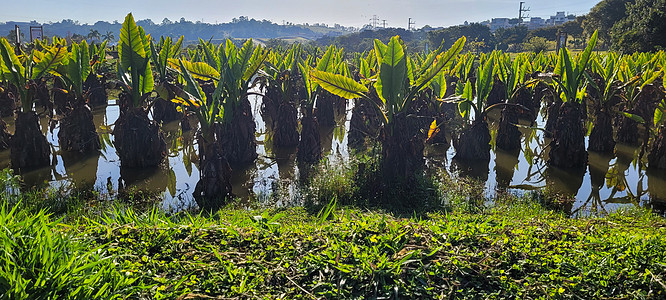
{"points": [[241, 28]]}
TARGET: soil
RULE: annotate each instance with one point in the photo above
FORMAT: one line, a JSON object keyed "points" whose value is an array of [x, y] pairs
{"points": [[567, 148], [214, 185], [473, 144], [94, 88], [138, 140], [508, 135], [77, 131], [237, 137], [29, 147], [309, 147], [601, 137], [285, 131], [657, 156]]}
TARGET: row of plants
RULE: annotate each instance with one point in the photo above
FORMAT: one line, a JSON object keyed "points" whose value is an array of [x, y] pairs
{"points": [[403, 100]]}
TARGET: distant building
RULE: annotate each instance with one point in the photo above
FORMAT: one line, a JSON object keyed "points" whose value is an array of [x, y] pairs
{"points": [[535, 22]]}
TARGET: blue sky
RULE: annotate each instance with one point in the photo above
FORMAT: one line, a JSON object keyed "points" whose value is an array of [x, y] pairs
{"points": [[345, 12]]}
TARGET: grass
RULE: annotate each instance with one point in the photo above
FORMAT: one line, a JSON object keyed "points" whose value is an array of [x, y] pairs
{"points": [[514, 248]]}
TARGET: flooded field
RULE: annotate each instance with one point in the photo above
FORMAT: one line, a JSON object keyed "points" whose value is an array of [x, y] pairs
{"points": [[609, 182]]}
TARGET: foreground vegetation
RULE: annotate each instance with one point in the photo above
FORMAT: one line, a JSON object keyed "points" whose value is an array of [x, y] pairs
{"points": [[516, 247]]}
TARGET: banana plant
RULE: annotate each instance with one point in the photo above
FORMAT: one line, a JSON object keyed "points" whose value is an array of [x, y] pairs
{"points": [[29, 146], [657, 155], [397, 83], [77, 129], [232, 70], [567, 148], [163, 109], [138, 139], [133, 68]]}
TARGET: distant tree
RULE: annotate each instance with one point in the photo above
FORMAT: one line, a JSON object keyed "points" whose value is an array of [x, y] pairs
{"points": [[474, 32], [603, 16], [93, 34], [510, 36], [109, 36], [11, 37], [549, 33], [166, 21], [643, 29], [536, 44]]}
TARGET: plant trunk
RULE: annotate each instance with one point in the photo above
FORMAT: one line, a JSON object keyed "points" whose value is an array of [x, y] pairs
{"points": [[567, 149], [29, 148], [5, 136], [364, 123], [285, 131], [214, 186], [627, 131], [657, 156], [601, 137], [402, 149], [508, 135], [525, 98], [138, 140], [553, 115], [165, 111], [95, 88], [325, 112], [497, 93], [237, 137], [473, 144], [77, 131], [7, 101], [309, 147]]}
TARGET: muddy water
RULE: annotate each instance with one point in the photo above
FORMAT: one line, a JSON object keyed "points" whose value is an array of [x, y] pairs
{"points": [[608, 183]]}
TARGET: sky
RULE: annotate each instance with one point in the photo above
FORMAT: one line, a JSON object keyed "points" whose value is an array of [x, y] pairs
{"points": [[355, 13]]}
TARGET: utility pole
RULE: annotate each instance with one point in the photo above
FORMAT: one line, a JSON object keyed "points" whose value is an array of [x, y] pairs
{"points": [[409, 24], [384, 23], [521, 10]]}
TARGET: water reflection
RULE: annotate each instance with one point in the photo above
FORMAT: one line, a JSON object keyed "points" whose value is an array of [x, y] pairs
{"points": [[609, 182]]}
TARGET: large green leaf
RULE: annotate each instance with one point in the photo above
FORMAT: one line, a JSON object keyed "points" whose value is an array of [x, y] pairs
{"points": [[49, 61], [131, 50], [390, 85], [440, 62], [11, 64], [198, 70], [256, 60], [326, 62], [339, 85]]}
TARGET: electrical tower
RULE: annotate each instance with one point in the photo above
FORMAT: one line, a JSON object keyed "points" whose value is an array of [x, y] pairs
{"points": [[374, 21], [384, 23], [521, 10], [409, 24]]}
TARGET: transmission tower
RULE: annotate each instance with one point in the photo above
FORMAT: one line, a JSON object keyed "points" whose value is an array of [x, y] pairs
{"points": [[384, 23], [409, 24], [521, 10], [374, 21]]}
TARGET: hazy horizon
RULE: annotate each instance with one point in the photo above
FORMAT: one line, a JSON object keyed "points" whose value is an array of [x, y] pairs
{"points": [[344, 12]]}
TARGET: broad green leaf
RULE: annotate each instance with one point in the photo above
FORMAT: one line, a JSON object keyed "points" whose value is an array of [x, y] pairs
{"points": [[658, 115], [11, 64], [50, 60], [326, 62], [441, 61], [257, 59], [634, 117], [131, 49], [339, 85], [198, 70], [392, 72]]}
